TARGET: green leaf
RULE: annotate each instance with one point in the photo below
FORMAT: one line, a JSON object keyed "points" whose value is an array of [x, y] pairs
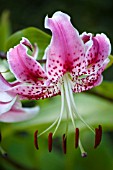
{"points": [[34, 35], [105, 90], [5, 29], [111, 62]]}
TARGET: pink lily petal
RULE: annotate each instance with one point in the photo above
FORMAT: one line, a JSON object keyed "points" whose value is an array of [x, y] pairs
{"points": [[6, 97], [6, 106], [104, 46], [87, 83], [35, 91], [24, 67], [66, 50], [17, 113], [26, 91], [4, 85], [35, 52], [10, 107], [99, 51], [92, 80], [87, 39]]}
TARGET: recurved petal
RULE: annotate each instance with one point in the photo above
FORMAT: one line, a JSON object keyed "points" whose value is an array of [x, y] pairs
{"points": [[66, 50], [4, 85], [23, 66], [6, 97], [17, 113], [104, 46], [5, 106], [98, 53], [87, 39]]}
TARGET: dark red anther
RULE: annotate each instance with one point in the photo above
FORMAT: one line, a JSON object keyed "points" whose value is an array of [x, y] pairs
{"points": [[98, 136], [76, 137], [50, 142], [64, 142], [36, 139]]}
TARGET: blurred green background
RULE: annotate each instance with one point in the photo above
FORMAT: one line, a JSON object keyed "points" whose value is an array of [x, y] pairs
{"points": [[94, 16]]}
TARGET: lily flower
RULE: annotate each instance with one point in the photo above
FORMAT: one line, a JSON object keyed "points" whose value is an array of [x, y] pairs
{"points": [[10, 106], [74, 63]]}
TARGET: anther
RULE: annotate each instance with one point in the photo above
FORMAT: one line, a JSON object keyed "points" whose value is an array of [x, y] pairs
{"points": [[36, 139], [50, 142], [76, 137], [64, 142], [98, 136]]}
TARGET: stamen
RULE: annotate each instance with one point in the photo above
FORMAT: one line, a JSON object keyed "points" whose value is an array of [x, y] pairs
{"points": [[50, 127], [76, 137], [62, 110], [67, 94], [50, 142], [36, 139], [75, 111], [64, 142], [98, 136]]}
